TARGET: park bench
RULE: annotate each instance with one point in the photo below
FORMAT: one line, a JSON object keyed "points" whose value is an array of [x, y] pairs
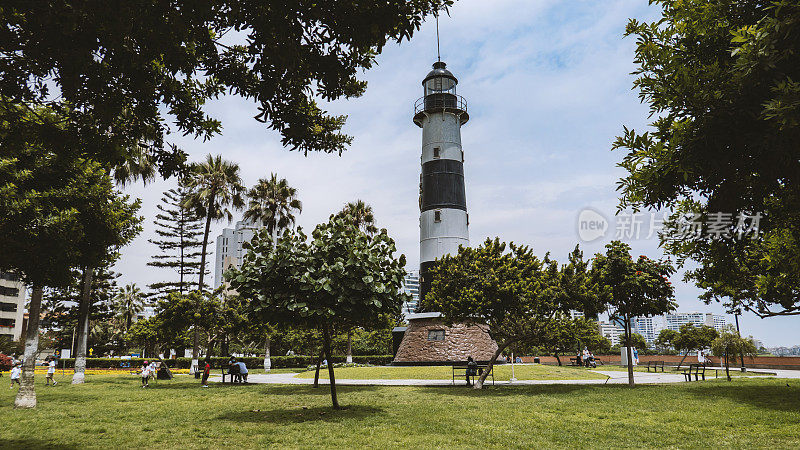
{"points": [[574, 361], [655, 365], [698, 370], [461, 372], [232, 371]]}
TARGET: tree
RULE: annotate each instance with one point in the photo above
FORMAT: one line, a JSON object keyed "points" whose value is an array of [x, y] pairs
{"points": [[41, 193], [514, 294], [113, 223], [568, 335], [341, 278], [632, 288], [720, 76], [272, 204], [129, 76], [362, 216], [666, 340], [215, 186], [691, 338], [364, 219], [729, 344], [638, 341], [129, 303], [178, 241]]}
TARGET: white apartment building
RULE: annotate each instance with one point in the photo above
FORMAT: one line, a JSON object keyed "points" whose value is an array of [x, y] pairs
{"points": [[611, 331], [411, 287], [674, 321], [12, 305], [648, 327], [229, 248]]}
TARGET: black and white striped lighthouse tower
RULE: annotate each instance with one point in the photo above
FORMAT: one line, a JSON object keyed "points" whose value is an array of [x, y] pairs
{"points": [[443, 221]]}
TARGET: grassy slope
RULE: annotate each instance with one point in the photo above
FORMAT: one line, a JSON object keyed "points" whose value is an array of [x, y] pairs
{"points": [[112, 411], [502, 373]]}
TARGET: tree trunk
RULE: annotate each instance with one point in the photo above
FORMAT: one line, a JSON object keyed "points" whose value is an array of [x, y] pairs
{"points": [[26, 397], [316, 374], [684, 357], [557, 358], [326, 342], [631, 383], [83, 327], [727, 367], [200, 277], [267, 360], [482, 378], [349, 347]]}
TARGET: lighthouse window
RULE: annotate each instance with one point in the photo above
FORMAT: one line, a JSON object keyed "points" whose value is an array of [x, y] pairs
{"points": [[437, 152], [437, 216], [435, 335]]}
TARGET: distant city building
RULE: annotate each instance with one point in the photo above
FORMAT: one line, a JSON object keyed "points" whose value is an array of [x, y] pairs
{"points": [[12, 305], [575, 314], [229, 248], [411, 287], [648, 327], [146, 313], [611, 331], [675, 321]]}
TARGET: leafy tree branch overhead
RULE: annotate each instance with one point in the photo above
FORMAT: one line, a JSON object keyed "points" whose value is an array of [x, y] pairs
{"points": [[125, 73]]}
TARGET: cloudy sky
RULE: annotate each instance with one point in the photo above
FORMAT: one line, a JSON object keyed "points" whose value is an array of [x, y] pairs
{"points": [[548, 88]]}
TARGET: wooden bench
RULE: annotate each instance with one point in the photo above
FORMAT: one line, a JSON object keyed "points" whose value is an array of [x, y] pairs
{"points": [[655, 365], [698, 370], [461, 371], [574, 361]]}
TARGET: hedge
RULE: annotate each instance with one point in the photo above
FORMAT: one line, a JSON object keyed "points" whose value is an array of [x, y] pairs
{"points": [[253, 362]]}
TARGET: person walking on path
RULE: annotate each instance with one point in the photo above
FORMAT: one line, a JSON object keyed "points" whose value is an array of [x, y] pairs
{"points": [[145, 374], [51, 370], [16, 371], [206, 371]]}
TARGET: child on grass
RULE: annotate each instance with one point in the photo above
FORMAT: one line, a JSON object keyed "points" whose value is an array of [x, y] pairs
{"points": [[51, 370], [145, 374], [16, 371]]}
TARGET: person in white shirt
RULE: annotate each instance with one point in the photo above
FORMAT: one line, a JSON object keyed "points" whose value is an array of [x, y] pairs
{"points": [[145, 374], [243, 371], [153, 370], [51, 370], [16, 371]]}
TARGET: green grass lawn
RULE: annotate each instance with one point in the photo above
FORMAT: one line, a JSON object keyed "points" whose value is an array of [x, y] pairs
{"points": [[113, 412], [501, 373]]}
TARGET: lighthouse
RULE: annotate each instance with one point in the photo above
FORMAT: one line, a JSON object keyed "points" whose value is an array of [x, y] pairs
{"points": [[443, 220], [443, 226]]}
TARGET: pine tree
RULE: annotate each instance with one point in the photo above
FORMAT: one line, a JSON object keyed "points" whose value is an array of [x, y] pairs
{"points": [[179, 231]]}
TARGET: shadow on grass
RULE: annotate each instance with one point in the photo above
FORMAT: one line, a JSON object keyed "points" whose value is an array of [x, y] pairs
{"points": [[307, 389], [300, 415], [778, 397], [506, 390], [34, 443]]}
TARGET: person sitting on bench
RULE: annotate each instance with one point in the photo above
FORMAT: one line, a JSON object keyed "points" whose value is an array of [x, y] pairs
{"points": [[472, 369]]}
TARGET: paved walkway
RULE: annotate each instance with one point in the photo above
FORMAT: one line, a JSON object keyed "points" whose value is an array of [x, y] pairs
{"points": [[614, 377]]}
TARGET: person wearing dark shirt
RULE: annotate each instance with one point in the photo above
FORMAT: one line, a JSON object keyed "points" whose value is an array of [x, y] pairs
{"points": [[472, 369]]}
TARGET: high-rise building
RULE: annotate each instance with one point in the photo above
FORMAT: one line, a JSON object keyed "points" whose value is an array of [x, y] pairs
{"points": [[12, 305], [648, 327], [229, 248], [443, 220], [611, 331], [411, 287], [674, 321]]}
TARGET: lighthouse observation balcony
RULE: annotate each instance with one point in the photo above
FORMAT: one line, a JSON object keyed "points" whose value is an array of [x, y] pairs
{"points": [[443, 102]]}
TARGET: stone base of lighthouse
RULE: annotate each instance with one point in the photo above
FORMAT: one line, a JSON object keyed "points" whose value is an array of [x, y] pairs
{"points": [[428, 341]]}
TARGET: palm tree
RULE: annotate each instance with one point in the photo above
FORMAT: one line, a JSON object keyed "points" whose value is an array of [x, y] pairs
{"points": [[361, 215], [363, 218], [129, 303], [273, 204], [215, 186]]}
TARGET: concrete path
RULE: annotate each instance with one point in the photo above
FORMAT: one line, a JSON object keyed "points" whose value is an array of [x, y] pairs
{"points": [[614, 377]]}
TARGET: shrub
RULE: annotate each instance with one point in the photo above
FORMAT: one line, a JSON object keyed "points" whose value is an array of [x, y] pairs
{"points": [[5, 363], [253, 362]]}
